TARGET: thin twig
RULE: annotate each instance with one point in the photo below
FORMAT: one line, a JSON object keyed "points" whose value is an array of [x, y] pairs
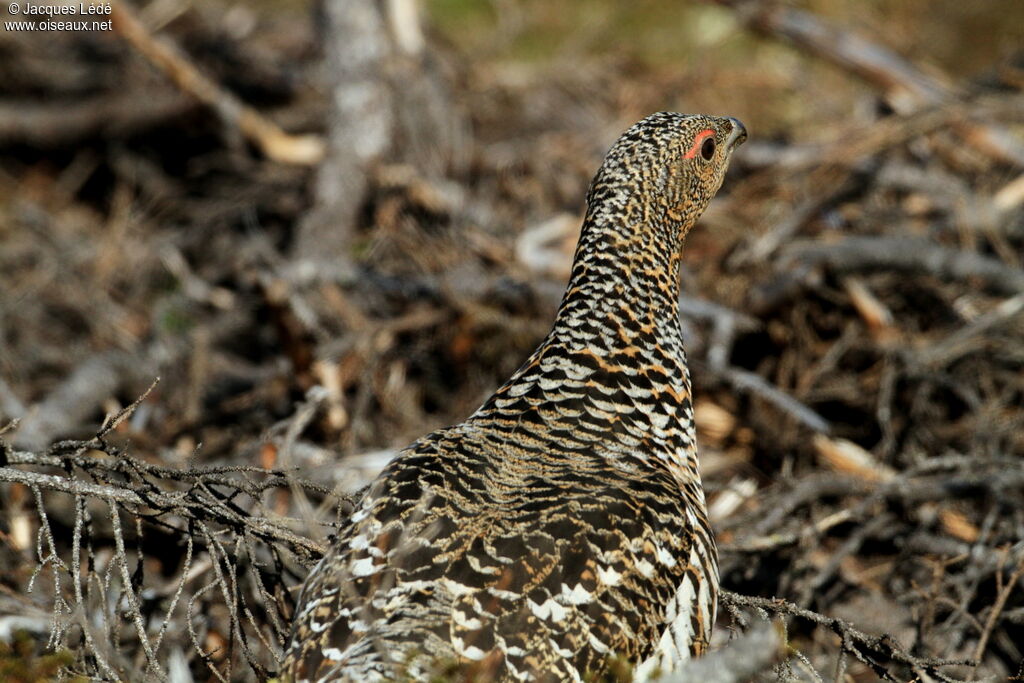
{"points": [[306, 150]]}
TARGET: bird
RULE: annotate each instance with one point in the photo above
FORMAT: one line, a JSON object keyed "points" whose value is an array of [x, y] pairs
{"points": [[562, 527]]}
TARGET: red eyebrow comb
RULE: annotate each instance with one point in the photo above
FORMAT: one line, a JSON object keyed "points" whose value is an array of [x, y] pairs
{"points": [[696, 142]]}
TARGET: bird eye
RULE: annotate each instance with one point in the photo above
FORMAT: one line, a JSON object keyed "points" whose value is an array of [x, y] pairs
{"points": [[707, 150]]}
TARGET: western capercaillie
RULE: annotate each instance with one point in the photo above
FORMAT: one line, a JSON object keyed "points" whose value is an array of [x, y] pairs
{"points": [[562, 523]]}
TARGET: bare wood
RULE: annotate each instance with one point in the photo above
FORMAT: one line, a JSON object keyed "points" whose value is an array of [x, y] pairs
{"points": [[176, 502], [46, 124], [853, 639], [835, 162], [360, 127], [907, 254], [907, 87], [68, 407], [746, 381], [390, 102], [942, 352], [1004, 591], [904, 83], [75, 399], [276, 144]]}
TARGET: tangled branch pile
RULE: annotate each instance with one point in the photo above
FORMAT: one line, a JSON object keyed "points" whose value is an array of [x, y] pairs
{"points": [[137, 560], [854, 315]]}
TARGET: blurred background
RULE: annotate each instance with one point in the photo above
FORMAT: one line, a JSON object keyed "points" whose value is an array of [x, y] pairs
{"points": [[330, 227]]}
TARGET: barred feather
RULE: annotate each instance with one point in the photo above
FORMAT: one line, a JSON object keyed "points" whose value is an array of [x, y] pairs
{"points": [[564, 522]]}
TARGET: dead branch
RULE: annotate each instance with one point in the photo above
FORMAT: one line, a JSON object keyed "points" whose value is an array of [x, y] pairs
{"points": [[47, 125], [75, 399], [215, 510], [203, 503], [390, 103], [956, 344], [1005, 587], [872, 650], [162, 53], [835, 163], [725, 325], [907, 87], [906, 254], [360, 126], [752, 383], [184, 262], [67, 408]]}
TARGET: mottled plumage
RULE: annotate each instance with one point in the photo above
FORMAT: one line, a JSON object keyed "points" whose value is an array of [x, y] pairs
{"points": [[563, 522]]}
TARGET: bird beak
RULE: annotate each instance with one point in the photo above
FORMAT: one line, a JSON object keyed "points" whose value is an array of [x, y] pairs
{"points": [[737, 136]]}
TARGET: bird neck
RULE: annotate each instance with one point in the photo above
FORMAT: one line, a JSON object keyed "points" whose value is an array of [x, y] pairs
{"points": [[625, 275], [611, 378]]}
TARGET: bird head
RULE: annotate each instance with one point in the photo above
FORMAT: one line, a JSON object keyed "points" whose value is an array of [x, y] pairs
{"points": [[672, 163]]}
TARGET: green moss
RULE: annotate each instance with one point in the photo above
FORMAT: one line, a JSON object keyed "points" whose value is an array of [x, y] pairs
{"points": [[20, 661], [176, 321], [650, 31], [461, 19]]}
